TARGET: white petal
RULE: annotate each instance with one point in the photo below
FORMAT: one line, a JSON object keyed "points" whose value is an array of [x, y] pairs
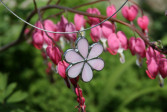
{"points": [[83, 47], [122, 57], [96, 50], [97, 64], [75, 70], [72, 57], [87, 73]]}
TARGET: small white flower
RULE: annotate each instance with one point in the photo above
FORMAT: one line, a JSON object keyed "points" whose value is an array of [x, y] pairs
{"points": [[83, 59]]}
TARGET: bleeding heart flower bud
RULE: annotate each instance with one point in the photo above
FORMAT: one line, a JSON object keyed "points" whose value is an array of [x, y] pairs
{"points": [[79, 21], [54, 54], [130, 13], [152, 68], [117, 43], [96, 33], [93, 20], [163, 67], [62, 23], [70, 27], [143, 22], [111, 10], [37, 40], [137, 46], [61, 68], [107, 29]]}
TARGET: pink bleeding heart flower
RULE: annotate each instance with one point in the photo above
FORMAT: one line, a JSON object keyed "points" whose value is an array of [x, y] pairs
{"points": [[130, 13], [107, 29], [49, 25], [79, 21], [143, 22], [96, 33], [111, 10], [83, 59], [54, 54], [117, 44], [152, 68], [156, 64], [61, 68], [137, 47], [37, 40], [93, 20], [61, 25], [163, 67], [70, 27]]}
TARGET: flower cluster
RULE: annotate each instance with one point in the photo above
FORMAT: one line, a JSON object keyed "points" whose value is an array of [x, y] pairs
{"points": [[82, 59]]}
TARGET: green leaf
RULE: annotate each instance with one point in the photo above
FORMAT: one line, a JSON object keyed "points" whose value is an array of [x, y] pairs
{"points": [[10, 89], [3, 81], [17, 97]]}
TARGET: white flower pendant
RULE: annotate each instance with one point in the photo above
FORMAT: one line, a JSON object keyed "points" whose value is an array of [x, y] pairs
{"points": [[83, 59]]}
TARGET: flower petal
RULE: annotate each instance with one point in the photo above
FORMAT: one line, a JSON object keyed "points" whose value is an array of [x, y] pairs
{"points": [[87, 73], [96, 50], [82, 46], [97, 64], [72, 57], [74, 70]]}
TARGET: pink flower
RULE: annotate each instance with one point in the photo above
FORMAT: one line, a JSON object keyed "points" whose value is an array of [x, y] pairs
{"points": [[96, 33], [117, 44], [93, 20], [137, 47], [61, 68], [130, 13], [152, 68], [79, 21], [107, 29], [37, 40], [61, 25], [155, 63], [163, 67], [111, 10], [54, 54], [70, 27], [143, 22]]}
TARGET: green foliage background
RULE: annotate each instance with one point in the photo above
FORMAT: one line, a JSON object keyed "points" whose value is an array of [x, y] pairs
{"points": [[117, 88]]}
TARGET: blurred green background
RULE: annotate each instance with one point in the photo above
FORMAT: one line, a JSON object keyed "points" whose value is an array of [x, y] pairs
{"points": [[24, 85]]}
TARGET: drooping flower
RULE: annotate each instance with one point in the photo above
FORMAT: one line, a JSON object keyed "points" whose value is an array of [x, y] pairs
{"points": [[82, 61], [93, 20], [111, 10], [130, 13], [156, 65], [54, 54], [79, 21], [96, 33], [70, 27], [37, 40], [117, 44], [137, 47], [107, 28], [143, 22]]}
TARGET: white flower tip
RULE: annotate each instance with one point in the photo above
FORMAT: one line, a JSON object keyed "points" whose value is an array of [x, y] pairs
{"points": [[122, 58], [139, 61], [62, 42], [103, 40], [161, 80], [45, 46]]}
